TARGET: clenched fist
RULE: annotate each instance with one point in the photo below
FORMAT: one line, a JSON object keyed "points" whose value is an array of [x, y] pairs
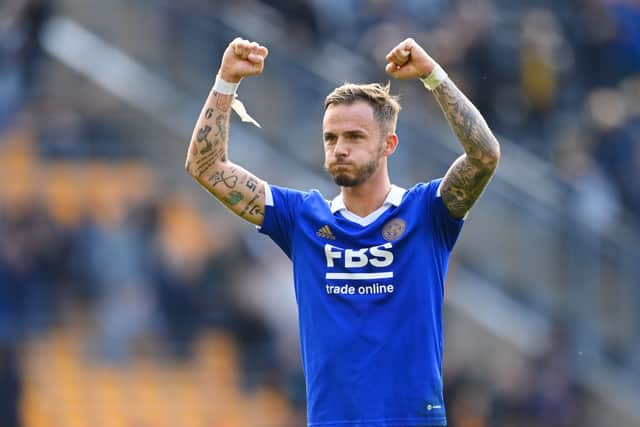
{"points": [[408, 60], [242, 58]]}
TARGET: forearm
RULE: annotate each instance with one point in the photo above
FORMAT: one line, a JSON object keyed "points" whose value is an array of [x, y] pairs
{"points": [[207, 162], [477, 140], [469, 175], [208, 147]]}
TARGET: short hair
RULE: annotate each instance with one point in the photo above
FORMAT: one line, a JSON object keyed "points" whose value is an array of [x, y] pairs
{"points": [[385, 106]]}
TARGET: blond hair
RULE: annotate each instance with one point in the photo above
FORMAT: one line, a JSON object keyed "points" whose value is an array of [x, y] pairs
{"points": [[385, 106]]}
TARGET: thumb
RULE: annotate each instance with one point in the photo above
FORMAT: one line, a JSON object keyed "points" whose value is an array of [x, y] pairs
{"points": [[392, 69]]}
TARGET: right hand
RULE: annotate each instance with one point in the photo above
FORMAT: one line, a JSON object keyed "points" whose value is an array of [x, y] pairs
{"points": [[242, 58]]}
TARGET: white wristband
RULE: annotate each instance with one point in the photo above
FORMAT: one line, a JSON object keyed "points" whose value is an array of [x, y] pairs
{"points": [[224, 87], [435, 78], [227, 88]]}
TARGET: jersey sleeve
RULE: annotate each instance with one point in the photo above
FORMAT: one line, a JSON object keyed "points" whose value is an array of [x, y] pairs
{"points": [[282, 206], [446, 227]]}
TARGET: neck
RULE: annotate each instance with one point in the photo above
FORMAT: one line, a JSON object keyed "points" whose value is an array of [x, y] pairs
{"points": [[368, 196]]}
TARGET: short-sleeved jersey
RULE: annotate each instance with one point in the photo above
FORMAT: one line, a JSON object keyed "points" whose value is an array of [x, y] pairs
{"points": [[370, 294]]}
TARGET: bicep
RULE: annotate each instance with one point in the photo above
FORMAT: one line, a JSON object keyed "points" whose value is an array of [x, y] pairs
{"points": [[237, 189], [463, 184]]}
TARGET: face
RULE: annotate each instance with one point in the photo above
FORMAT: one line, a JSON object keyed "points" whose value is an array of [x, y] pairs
{"points": [[354, 143]]}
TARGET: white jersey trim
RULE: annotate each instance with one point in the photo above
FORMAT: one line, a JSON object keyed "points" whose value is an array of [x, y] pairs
{"points": [[268, 195], [394, 198]]}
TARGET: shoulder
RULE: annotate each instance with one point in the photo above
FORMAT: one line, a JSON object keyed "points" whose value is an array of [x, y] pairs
{"points": [[275, 195], [423, 191]]}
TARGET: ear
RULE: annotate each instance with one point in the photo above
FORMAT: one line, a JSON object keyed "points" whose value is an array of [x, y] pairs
{"points": [[390, 144]]}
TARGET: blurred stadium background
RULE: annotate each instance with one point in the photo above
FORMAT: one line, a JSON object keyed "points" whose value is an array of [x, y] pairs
{"points": [[130, 298]]}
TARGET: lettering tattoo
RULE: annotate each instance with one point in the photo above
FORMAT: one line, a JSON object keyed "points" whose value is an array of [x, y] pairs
{"points": [[252, 209], [469, 175], [205, 163], [209, 113], [256, 211], [251, 184]]}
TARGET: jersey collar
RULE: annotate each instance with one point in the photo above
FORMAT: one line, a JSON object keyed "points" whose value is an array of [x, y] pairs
{"points": [[394, 198]]}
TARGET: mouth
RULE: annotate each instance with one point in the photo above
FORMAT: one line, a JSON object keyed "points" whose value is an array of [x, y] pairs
{"points": [[341, 164]]}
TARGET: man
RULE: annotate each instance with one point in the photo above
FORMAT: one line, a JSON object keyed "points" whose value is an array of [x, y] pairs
{"points": [[369, 266]]}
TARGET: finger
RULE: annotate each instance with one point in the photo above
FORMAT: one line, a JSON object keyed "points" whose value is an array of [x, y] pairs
{"points": [[238, 49], [392, 68], [255, 58], [391, 53], [239, 43], [262, 51], [389, 56], [401, 56], [407, 43], [259, 50], [257, 67], [242, 48]]}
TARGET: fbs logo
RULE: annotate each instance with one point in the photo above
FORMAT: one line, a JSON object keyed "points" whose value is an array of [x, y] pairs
{"points": [[377, 256], [325, 232]]}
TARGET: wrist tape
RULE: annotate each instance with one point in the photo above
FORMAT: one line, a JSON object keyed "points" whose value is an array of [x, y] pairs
{"points": [[435, 78], [227, 88]]}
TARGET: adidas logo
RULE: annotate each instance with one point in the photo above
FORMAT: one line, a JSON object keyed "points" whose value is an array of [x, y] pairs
{"points": [[325, 232]]}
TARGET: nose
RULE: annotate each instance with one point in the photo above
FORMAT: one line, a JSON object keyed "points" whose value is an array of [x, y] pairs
{"points": [[340, 149]]}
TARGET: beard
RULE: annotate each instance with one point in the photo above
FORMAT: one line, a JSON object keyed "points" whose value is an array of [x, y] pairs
{"points": [[360, 175]]}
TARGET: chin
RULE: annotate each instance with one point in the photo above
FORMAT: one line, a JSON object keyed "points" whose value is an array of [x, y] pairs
{"points": [[346, 181]]}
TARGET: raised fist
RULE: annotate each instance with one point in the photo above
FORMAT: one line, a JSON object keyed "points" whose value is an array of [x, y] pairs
{"points": [[408, 60], [242, 58]]}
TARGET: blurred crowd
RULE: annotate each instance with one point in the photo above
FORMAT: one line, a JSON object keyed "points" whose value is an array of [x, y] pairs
{"points": [[561, 78], [21, 22], [146, 276]]}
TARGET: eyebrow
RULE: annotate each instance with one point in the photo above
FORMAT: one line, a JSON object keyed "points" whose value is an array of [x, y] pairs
{"points": [[347, 133], [354, 133]]}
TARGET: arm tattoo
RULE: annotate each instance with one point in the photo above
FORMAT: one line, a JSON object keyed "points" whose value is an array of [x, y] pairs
{"points": [[234, 187], [219, 177], [234, 198], [221, 125], [209, 146], [223, 103], [202, 137], [469, 174]]}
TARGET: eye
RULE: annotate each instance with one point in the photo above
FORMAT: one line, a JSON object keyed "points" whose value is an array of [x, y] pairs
{"points": [[354, 136], [329, 139]]}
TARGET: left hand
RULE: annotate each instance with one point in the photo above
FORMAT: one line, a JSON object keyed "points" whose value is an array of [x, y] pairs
{"points": [[409, 60]]}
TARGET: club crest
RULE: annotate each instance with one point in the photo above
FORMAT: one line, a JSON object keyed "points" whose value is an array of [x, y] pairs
{"points": [[393, 229]]}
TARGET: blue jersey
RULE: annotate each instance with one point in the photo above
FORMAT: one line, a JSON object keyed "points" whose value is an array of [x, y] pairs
{"points": [[370, 293]]}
